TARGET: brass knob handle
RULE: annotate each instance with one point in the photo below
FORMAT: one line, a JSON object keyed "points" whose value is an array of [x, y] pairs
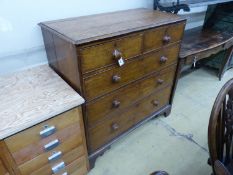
{"points": [[166, 39], [163, 59], [155, 102], [116, 78], [117, 54], [116, 104], [115, 126], [160, 81]]}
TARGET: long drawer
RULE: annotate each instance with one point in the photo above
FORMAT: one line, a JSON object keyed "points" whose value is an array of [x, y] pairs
{"points": [[105, 82], [98, 109], [107, 53], [122, 120], [49, 146]]}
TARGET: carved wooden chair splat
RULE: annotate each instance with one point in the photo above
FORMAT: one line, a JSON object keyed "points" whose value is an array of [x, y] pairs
{"points": [[220, 130]]}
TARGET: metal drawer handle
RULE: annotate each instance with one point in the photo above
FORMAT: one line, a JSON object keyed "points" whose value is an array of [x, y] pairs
{"points": [[51, 145], [49, 130], [58, 167], [55, 156]]}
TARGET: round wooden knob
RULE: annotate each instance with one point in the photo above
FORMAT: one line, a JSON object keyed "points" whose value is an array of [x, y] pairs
{"points": [[117, 54], [166, 39], [155, 102], [115, 126], [160, 81], [116, 78], [163, 59], [116, 104]]}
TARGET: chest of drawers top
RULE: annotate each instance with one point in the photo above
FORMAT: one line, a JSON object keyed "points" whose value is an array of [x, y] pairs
{"points": [[31, 96], [82, 30]]}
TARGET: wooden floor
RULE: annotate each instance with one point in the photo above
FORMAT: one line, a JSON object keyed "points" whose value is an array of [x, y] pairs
{"points": [[176, 144]]}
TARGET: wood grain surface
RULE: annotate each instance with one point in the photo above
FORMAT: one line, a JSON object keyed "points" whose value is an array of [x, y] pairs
{"points": [[199, 41], [32, 96], [95, 27]]}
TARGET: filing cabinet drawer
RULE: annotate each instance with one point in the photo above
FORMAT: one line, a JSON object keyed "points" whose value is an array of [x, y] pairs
{"points": [[33, 147], [45, 150], [62, 165], [162, 36], [60, 122], [122, 120], [97, 56], [116, 77], [125, 96], [43, 159]]}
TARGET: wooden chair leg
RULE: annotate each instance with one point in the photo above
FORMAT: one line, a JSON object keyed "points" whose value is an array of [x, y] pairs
{"points": [[225, 62]]}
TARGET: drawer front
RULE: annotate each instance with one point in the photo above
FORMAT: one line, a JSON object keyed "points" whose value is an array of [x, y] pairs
{"points": [[98, 56], [3, 170], [73, 143], [123, 120], [38, 149], [159, 37], [64, 165], [116, 77], [60, 122], [122, 98]]}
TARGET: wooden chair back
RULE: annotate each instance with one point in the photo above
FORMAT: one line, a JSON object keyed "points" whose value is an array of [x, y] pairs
{"points": [[220, 130]]}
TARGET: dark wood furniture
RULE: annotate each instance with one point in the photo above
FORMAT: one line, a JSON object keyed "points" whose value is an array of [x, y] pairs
{"points": [[123, 63], [220, 130], [214, 39]]}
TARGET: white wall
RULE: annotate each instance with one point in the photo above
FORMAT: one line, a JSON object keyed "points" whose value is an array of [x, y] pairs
{"points": [[21, 43]]}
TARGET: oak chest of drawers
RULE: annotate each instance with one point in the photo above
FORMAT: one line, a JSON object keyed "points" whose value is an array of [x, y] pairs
{"points": [[123, 63]]}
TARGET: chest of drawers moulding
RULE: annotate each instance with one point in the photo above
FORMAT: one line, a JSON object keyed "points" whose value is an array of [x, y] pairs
{"points": [[85, 52]]}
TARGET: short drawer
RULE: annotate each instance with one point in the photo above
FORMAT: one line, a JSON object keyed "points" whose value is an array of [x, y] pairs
{"points": [[109, 80], [108, 53], [162, 36], [29, 144], [32, 135], [125, 96], [44, 159], [63, 165], [29, 150], [122, 120]]}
